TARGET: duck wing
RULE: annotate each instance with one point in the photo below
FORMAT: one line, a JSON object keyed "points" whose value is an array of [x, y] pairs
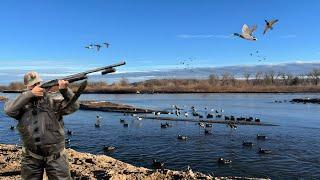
{"points": [[246, 30], [272, 22], [254, 28]]}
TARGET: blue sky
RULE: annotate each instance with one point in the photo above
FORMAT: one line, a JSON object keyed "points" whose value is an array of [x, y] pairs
{"points": [[153, 34]]}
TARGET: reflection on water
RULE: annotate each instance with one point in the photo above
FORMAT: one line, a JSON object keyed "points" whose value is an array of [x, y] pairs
{"points": [[294, 143]]}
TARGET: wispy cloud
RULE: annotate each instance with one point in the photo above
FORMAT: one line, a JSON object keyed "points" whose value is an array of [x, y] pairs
{"points": [[204, 36], [288, 36]]}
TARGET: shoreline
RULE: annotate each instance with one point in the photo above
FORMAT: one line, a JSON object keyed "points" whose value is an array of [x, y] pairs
{"points": [[90, 166], [191, 92]]}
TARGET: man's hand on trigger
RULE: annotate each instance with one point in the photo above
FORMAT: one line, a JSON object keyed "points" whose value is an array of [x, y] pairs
{"points": [[37, 91], [63, 84]]}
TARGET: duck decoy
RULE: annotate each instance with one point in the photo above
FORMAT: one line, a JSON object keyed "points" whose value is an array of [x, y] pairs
{"points": [[67, 141], [218, 116], [121, 120], [201, 124], [209, 116], [200, 116], [224, 161], [157, 165], [181, 137], [97, 125], [208, 125], [249, 119], [247, 143], [109, 148], [226, 118], [69, 132], [247, 33], [125, 125], [269, 25], [12, 127], [163, 125], [261, 137], [186, 114], [264, 151], [257, 120], [207, 131]]}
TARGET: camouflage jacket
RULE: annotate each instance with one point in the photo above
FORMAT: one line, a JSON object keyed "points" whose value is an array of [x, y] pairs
{"points": [[41, 124]]}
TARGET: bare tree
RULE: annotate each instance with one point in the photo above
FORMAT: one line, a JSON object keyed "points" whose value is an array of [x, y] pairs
{"points": [[213, 79], [247, 75], [315, 76]]}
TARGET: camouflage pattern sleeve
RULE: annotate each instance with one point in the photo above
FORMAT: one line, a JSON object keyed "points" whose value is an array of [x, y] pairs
{"points": [[67, 95], [13, 108]]}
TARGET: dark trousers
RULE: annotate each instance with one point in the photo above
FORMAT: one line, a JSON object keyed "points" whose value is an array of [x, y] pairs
{"points": [[33, 169]]}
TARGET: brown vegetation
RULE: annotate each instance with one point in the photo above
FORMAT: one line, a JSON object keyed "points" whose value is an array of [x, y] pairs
{"points": [[227, 82]]}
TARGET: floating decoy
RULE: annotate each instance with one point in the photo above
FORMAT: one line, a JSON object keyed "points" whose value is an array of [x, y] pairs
{"points": [[139, 118], [249, 119], [157, 165], [163, 125], [226, 118], [247, 33], [125, 125], [182, 137], [67, 141], [232, 126], [264, 151], [12, 127], [218, 115], [97, 125], [224, 161], [247, 143], [186, 114], [121, 120], [257, 120], [208, 125], [109, 148], [69, 132], [261, 137], [269, 25], [195, 113], [201, 124], [207, 131], [209, 116], [200, 116]]}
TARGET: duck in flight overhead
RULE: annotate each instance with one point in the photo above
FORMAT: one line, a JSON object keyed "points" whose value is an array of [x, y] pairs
{"points": [[106, 44], [269, 25], [98, 46], [89, 47], [247, 33]]}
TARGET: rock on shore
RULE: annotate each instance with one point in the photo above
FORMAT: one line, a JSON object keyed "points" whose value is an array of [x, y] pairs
{"points": [[89, 166]]}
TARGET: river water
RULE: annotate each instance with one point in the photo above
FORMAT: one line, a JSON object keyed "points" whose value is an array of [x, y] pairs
{"points": [[295, 142]]}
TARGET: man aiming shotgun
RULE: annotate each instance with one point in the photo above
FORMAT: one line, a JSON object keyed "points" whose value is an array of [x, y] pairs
{"points": [[40, 123]]}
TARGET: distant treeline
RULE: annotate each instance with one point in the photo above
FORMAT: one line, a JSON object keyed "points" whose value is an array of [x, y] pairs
{"points": [[226, 82]]}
